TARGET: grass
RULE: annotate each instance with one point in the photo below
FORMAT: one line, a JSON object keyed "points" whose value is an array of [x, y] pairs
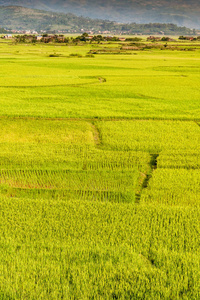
{"points": [[99, 173]]}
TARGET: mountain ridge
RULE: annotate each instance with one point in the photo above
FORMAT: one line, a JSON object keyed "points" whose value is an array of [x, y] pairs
{"points": [[181, 12], [22, 18]]}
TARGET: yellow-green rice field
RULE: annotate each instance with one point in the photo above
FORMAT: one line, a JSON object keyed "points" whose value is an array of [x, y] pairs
{"points": [[99, 172]]}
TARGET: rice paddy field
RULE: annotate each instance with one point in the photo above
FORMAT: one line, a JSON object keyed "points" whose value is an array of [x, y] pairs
{"points": [[99, 172]]}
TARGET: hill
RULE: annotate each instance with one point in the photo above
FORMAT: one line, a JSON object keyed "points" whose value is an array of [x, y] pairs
{"points": [[21, 18], [181, 12]]}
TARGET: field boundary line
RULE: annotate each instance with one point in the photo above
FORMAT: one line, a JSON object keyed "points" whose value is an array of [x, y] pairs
{"points": [[96, 134], [95, 119], [147, 177]]}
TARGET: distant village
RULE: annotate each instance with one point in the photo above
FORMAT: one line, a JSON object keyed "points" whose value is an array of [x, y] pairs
{"points": [[60, 38], [157, 33], [89, 32], [34, 37]]}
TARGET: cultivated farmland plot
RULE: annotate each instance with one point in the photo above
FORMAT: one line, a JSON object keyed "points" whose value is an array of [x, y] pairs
{"points": [[99, 173]]}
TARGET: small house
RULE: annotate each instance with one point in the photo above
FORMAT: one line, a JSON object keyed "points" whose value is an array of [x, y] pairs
{"points": [[8, 36]]}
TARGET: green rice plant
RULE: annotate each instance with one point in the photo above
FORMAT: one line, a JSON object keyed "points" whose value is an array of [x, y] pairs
{"points": [[110, 185], [153, 84], [61, 159], [173, 187], [150, 136], [99, 179], [189, 159], [88, 249]]}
